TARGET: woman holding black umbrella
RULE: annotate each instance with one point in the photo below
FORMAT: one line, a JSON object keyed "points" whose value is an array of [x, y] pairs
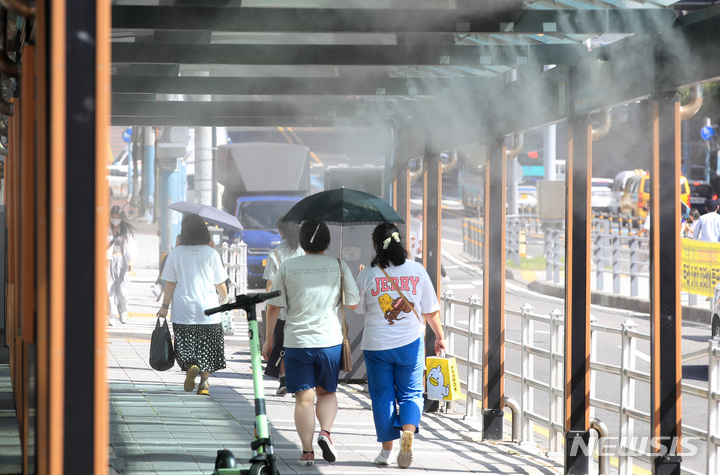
{"points": [[311, 296], [397, 298]]}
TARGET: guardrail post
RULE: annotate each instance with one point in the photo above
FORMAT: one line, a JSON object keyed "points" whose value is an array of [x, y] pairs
{"points": [[475, 352], [448, 320], [616, 249], [466, 235], [549, 256], [526, 373], [593, 358], [448, 317], [598, 255], [713, 432], [627, 397], [513, 239], [634, 264], [556, 388]]}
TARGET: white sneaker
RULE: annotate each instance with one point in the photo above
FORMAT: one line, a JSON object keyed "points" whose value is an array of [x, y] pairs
{"points": [[381, 460], [123, 317], [111, 321]]}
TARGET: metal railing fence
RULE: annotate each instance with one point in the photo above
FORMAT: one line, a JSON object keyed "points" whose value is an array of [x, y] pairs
{"points": [[619, 250], [234, 257], [624, 375]]}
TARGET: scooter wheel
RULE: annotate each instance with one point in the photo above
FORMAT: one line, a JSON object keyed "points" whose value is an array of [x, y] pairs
{"points": [[259, 468], [225, 459]]}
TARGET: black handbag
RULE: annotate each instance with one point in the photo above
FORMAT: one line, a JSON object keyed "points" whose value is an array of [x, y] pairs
{"points": [[162, 354]]}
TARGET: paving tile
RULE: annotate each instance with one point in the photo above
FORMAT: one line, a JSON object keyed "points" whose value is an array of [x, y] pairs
{"points": [[156, 427]]}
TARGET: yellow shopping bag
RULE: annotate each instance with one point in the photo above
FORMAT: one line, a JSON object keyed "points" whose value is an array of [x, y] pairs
{"points": [[443, 380]]}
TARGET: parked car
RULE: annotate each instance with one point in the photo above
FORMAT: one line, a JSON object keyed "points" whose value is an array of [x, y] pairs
{"points": [[632, 195], [121, 164], [601, 194], [636, 197], [118, 175], [700, 192], [715, 307], [617, 188]]}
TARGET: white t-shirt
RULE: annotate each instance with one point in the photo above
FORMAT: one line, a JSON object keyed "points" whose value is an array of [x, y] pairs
{"points": [[386, 327], [310, 286], [276, 257], [708, 227], [197, 270]]}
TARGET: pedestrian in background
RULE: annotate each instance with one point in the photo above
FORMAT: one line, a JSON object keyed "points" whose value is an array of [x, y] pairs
{"points": [[311, 296], [289, 248], [195, 281], [690, 223], [394, 293], [120, 253], [708, 225]]}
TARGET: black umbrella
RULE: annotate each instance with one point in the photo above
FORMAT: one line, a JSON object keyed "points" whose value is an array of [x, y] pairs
{"points": [[210, 214], [343, 206]]}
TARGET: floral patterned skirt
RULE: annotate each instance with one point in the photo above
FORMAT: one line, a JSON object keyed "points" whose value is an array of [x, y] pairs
{"points": [[201, 345]]}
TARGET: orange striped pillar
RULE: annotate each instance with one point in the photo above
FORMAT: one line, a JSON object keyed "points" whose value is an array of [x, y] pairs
{"points": [[665, 268]]}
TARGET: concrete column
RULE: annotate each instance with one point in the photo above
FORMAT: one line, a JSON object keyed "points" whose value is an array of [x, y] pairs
{"points": [[148, 169], [550, 155], [173, 188], [203, 165]]}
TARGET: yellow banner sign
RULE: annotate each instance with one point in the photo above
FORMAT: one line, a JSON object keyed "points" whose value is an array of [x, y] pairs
{"points": [[700, 266]]}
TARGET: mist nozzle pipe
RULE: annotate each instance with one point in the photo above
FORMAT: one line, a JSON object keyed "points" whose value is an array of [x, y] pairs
{"points": [[452, 161], [19, 7], [603, 127], [696, 101], [415, 174], [518, 142]]}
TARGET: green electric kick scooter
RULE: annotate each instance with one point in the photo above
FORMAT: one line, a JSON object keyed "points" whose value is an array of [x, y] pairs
{"points": [[263, 460]]}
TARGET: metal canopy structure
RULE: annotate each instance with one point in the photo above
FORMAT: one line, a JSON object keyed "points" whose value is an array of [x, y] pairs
{"points": [[433, 75], [339, 63]]}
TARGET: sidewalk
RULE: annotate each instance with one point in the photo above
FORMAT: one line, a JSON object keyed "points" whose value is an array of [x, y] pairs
{"points": [[157, 427]]}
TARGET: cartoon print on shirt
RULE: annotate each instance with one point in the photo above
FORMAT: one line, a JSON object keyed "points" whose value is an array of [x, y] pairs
{"points": [[392, 308]]}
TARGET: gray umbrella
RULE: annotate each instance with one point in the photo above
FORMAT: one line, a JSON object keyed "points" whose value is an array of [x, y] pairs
{"points": [[210, 214]]}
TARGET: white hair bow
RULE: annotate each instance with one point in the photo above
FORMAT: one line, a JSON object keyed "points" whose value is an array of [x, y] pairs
{"points": [[395, 236]]}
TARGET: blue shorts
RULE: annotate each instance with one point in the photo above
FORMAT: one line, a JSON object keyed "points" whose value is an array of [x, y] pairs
{"points": [[308, 368]]}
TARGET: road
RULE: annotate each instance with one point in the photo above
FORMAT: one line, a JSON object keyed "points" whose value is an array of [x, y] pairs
{"points": [[466, 281]]}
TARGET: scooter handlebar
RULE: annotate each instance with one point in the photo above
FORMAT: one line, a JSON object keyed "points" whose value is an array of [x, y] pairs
{"points": [[244, 302]]}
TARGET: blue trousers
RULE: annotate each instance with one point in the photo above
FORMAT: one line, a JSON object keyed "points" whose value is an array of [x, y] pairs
{"points": [[396, 388]]}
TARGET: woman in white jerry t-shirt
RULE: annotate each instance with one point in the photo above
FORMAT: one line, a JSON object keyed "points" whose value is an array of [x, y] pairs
{"points": [[393, 340], [194, 277]]}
